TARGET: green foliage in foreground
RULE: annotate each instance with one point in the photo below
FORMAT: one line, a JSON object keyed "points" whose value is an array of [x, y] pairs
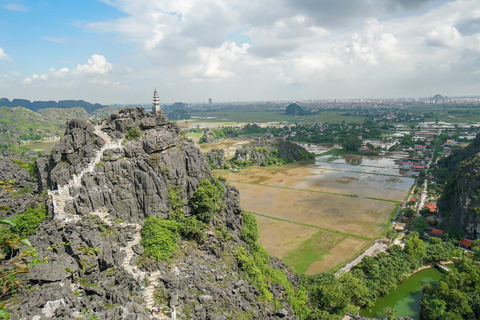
{"points": [[24, 224], [456, 296], [159, 237], [28, 221], [254, 261], [13, 249], [331, 298]]}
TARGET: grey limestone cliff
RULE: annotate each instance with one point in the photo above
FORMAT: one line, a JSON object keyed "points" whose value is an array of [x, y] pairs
{"points": [[103, 181]]}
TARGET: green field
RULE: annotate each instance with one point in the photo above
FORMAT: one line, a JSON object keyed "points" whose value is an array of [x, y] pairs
{"points": [[248, 116]]}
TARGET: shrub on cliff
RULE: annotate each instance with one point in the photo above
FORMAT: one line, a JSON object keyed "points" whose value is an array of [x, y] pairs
{"points": [[206, 200], [159, 237]]}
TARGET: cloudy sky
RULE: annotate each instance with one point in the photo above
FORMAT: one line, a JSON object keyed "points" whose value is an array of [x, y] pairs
{"points": [[117, 51]]}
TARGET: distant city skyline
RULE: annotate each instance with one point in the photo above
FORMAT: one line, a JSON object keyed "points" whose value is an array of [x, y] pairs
{"points": [[118, 51]]}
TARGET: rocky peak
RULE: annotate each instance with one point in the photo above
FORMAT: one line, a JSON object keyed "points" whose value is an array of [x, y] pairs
{"points": [[103, 182], [459, 206]]}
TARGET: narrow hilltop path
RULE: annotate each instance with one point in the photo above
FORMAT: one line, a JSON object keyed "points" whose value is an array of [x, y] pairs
{"points": [[60, 198], [128, 266]]}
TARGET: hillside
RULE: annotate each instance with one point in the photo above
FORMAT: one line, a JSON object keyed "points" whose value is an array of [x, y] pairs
{"points": [[21, 124], [18, 124], [135, 193], [294, 109], [263, 152], [62, 116], [104, 112]]}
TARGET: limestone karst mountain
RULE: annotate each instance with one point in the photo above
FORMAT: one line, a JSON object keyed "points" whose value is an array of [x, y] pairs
{"points": [[104, 182]]}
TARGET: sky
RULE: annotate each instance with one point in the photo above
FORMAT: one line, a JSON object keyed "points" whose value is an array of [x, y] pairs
{"points": [[119, 51]]}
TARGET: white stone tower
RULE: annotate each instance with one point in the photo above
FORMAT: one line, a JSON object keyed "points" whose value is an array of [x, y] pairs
{"points": [[156, 103]]}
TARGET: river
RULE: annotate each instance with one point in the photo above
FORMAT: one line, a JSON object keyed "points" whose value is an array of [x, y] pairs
{"points": [[405, 299]]}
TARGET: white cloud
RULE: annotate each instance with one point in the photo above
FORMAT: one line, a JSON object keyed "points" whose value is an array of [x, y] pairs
{"points": [[217, 63], [97, 64], [276, 49], [16, 7], [4, 56], [96, 69], [443, 36]]}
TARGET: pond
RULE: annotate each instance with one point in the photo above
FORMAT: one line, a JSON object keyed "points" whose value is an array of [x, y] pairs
{"points": [[405, 299]]}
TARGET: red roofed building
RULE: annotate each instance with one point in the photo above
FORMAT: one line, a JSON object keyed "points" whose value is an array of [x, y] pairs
{"points": [[418, 168], [437, 233], [432, 207], [467, 244]]}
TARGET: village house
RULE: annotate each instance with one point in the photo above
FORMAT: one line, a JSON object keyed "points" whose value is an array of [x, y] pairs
{"points": [[406, 165], [437, 233], [465, 244], [420, 147]]}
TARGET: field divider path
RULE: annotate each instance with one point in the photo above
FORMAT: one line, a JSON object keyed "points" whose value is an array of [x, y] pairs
{"points": [[357, 165], [362, 172], [315, 191], [311, 226], [289, 188]]}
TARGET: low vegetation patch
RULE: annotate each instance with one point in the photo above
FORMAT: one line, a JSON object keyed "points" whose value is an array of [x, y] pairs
{"points": [[160, 237], [311, 250]]}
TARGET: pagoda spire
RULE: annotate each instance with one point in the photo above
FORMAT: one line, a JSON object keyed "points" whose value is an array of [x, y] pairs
{"points": [[156, 102]]}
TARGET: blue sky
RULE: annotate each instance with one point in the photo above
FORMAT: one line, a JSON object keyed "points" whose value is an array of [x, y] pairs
{"points": [[117, 51]]}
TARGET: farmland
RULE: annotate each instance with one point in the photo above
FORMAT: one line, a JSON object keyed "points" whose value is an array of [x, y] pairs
{"points": [[317, 216]]}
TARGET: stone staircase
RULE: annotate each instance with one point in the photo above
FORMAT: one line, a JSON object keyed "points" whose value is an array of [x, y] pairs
{"points": [[60, 198], [148, 292]]}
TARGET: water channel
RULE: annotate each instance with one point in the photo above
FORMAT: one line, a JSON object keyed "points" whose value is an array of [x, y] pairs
{"points": [[405, 299]]}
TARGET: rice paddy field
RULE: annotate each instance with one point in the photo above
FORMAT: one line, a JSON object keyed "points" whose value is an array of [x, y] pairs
{"points": [[319, 215]]}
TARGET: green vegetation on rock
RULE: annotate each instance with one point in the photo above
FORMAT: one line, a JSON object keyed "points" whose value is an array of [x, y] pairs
{"points": [[160, 237], [256, 264], [206, 200]]}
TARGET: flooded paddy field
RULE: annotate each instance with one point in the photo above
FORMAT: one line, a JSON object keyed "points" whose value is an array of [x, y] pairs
{"points": [[328, 178], [319, 215]]}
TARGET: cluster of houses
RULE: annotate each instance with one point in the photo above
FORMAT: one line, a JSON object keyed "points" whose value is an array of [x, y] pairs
{"points": [[432, 231]]}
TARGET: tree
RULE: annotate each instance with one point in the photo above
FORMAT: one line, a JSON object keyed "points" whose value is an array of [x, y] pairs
{"points": [[415, 247], [433, 309], [392, 234], [419, 225], [439, 250], [352, 143], [408, 212], [206, 200]]}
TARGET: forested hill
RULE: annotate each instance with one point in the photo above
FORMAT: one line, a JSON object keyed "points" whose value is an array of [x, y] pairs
{"points": [[17, 124], [37, 105], [453, 160]]}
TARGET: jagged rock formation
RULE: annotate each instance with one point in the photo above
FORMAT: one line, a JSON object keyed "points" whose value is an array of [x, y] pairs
{"points": [[16, 183], [269, 152], [459, 206], [215, 158], [103, 182]]}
